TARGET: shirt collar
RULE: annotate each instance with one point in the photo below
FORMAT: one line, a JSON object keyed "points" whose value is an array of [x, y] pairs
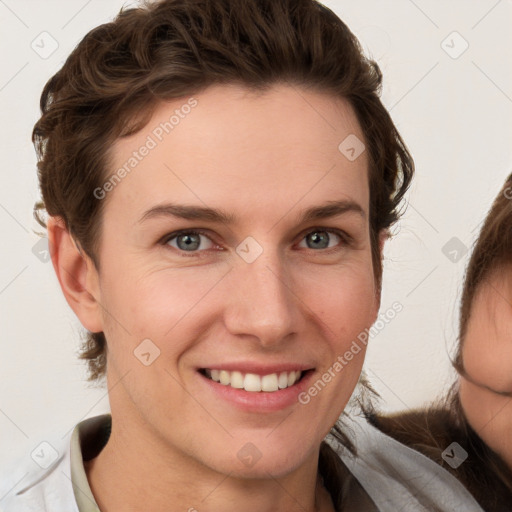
{"points": [[87, 440]]}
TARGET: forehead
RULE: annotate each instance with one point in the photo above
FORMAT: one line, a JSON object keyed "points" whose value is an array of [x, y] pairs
{"points": [[494, 288], [490, 307], [227, 144]]}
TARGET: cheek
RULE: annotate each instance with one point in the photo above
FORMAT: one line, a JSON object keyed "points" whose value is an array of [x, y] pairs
{"points": [[349, 308], [487, 345], [487, 353], [345, 301], [490, 416], [157, 299], [168, 306]]}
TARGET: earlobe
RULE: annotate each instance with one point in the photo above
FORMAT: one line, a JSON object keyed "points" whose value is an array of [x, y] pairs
{"points": [[77, 276]]}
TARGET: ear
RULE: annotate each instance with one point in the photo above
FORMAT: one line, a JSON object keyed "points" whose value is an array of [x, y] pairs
{"points": [[77, 275], [383, 236]]}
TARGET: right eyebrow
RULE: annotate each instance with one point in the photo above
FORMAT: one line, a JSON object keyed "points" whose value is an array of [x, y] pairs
{"points": [[188, 212]]}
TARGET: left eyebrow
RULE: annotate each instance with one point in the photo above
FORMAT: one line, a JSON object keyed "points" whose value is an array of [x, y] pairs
{"points": [[189, 212], [331, 209]]}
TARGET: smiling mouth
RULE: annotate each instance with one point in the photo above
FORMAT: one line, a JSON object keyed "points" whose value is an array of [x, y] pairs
{"points": [[252, 382]]}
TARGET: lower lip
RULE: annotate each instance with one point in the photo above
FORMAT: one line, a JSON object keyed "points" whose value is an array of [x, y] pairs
{"points": [[259, 401]]}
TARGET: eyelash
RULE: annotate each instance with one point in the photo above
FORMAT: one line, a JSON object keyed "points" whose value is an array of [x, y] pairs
{"points": [[346, 240]]}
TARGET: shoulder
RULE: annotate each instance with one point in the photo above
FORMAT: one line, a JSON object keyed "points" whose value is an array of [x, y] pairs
{"points": [[398, 477], [429, 431], [448, 440], [39, 481]]}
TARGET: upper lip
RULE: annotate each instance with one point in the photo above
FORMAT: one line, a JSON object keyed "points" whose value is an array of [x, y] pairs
{"points": [[258, 368]]}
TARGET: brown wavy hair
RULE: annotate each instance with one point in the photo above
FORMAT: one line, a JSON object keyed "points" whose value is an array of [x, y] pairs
{"points": [[120, 71]]}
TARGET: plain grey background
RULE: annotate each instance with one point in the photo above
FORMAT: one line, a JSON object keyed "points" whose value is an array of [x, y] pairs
{"points": [[448, 86]]}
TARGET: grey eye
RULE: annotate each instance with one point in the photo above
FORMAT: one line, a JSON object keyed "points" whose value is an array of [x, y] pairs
{"points": [[321, 239], [190, 241]]}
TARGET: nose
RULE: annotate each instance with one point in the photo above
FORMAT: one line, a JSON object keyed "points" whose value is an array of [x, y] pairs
{"points": [[262, 304]]}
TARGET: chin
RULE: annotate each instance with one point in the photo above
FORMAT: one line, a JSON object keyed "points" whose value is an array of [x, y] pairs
{"points": [[251, 463]]}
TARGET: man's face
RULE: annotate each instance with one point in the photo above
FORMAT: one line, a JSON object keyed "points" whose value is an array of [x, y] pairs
{"points": [[262, 292]]}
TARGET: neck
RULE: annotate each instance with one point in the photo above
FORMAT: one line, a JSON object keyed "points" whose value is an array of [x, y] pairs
{"points": [[152, 476]]}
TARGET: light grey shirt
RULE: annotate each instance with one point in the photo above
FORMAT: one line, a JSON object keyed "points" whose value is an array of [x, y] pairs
{"points": [[392, 477]]}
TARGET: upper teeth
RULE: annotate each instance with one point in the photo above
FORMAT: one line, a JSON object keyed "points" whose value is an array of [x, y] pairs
{"points": [[253, 382]]}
